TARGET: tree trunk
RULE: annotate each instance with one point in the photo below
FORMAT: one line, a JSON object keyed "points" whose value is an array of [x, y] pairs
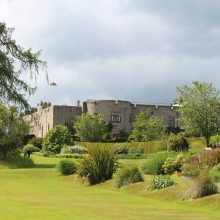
{"points": [[207, 141]]}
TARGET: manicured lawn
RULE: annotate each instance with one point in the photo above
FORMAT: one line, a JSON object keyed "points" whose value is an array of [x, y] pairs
{"points": [[40, 193]]}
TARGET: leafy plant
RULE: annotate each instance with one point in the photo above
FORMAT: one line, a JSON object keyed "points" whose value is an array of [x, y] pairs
{"points": [[154, 164], [31, 148], [56, 139], [90, 127], [12, 131], [215, 172], [136, 150], [121, 148], [200, 109], [36, 141], [98, 166], [128, 176], [215, 141], [172, 165], [73, 150], [66, 167], [177, 143], [147, 128], [160, 182]]}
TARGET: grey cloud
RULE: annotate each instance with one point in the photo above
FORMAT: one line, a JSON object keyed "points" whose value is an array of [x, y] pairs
{"points": [[133, 50]]}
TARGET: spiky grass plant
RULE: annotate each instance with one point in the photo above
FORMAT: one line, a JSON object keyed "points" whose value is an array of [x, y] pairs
{"points": [[98, 166]]}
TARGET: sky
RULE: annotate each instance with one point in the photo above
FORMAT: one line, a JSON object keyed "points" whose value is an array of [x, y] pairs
{"points": [[135, 50]]}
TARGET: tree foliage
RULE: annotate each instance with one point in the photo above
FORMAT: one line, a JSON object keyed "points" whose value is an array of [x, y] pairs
{"points": [[90, 127], [14, 60], [200, 109], [12, 131], [56, 139], [147, 128]]}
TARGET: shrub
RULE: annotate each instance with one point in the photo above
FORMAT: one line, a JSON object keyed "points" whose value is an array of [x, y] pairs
{"points": [[128, 176], [131, 156], [76, 156], [177, 143], [206, 159], [154, 165], [66, 167], [56, 138], [160, 182], [90, 127], [98, 166], [202, 186], [121, 148], [73, 150], [136, 150], [190, 170], [172, 165], [30, 147], [36, 141], [215, 141], [215, 172]]}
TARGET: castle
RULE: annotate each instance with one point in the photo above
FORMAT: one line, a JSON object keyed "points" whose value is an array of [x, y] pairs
{"points": [[121, 114]]}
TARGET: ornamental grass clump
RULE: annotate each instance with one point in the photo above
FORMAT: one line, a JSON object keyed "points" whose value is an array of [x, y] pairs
{"points": [[128, 176], [66, 167], [201, 187], [154, 164], [98, 166]]}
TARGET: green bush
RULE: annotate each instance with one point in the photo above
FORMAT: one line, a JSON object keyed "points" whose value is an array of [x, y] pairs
{"points": [[36, 141], [121, 148], [56, 139], [73, 150], [202, 186], [215, 172], [131, 156], [98, 166], [76, 156], [190, 170], [66, 167], [136, 150], [172, 165], [177, 143], [128, 176], [160, 182], [215, 140], [30, 147], [154, 164]]}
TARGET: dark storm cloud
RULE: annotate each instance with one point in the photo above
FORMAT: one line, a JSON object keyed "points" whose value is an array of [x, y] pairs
{"points": [[134, 50]]}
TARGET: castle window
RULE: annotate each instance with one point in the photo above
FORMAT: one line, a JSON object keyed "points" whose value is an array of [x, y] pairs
{"points": [[115, 118]]}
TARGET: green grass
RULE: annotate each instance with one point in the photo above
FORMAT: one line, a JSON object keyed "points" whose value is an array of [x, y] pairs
{"points": [[40, 193]]}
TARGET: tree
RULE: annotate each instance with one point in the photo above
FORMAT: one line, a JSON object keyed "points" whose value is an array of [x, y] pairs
{"points": [[12, 131], [56, 138], [14, 60], [147, 128], [200, 109], [90, 127]]}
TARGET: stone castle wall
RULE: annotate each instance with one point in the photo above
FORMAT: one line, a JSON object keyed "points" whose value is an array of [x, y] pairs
{"points": [[121, 114]]}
